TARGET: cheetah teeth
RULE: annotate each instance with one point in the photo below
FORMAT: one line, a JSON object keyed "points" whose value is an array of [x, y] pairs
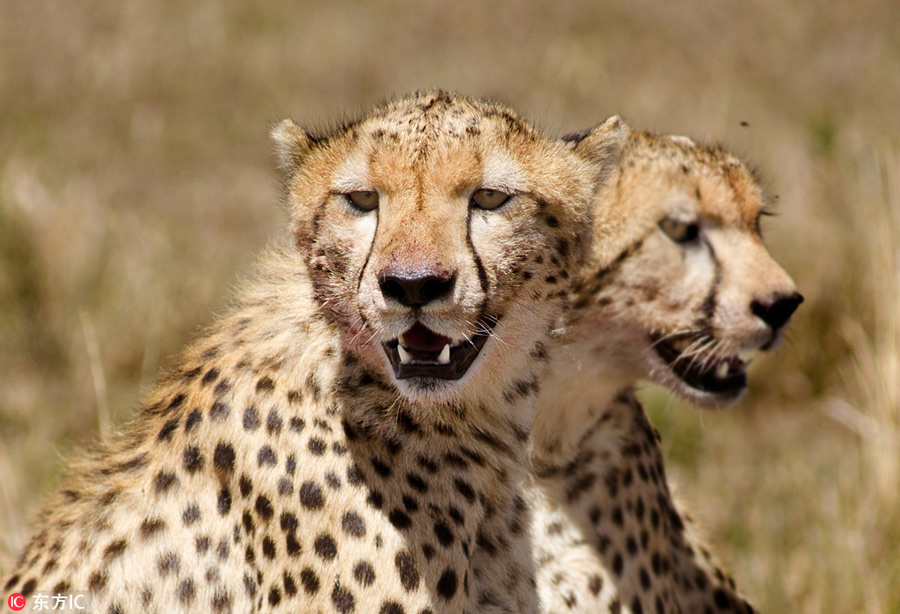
{"points": [[722, 370], [444, 358], [405, 357]]}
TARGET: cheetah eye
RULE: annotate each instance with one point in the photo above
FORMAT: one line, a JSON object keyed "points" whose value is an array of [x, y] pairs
{"points": [[364, 200], [680, 231], [489, 199]]}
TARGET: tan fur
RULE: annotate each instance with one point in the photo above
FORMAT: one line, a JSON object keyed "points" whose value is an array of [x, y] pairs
{"points": [[282, 467], [608, 534]]}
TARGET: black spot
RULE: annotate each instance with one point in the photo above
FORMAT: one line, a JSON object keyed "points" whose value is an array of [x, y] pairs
{"points": [[248, 522], [223, 458], [223, 503], [168, 563], [193, 419], [354, 475], [245, 485], [265, 384], [316, 446], [354, 524], [391, 607], [96, 582], [325, 547], [410, 504], [636, 607], [152, 526], [297, 424], [447, 583], [443, 533], [310, 581], [311, 496], [465, 490], [618, 563], [221, 602], [456, 516], [285, 487], [400, 519], [381, 468], [164, 481], [250, 586], [192, 459], [268, 547], [186, 591], [264, 507], [251, 419], [291, 545], [222, 550], [274, 596], [364, 573], [266, 456], [202, 544], [595, 584], [645, 579], [290, 587], [274, 422], [342, 599], [721, 598], [406, 567], [631, 545], [288, 522], [115, 608], [175, 403], [617, 516], [113, 551], [332, 480], [416, 482], [210, 376], [218, 410], [28, 587], [552, 222]]}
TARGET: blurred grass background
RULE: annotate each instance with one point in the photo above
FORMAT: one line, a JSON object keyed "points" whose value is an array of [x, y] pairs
{"points": [[136, 187]]}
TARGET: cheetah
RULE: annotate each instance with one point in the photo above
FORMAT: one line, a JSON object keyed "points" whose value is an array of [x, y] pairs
{"points": [[679, 289], [342, 438]]}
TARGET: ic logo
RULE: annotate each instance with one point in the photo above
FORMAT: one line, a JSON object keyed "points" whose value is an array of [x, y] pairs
{"points": [[16, 601]]}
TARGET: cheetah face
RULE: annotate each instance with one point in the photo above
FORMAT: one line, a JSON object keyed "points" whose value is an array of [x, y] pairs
{"points": [[439, 232], [690, 291]]}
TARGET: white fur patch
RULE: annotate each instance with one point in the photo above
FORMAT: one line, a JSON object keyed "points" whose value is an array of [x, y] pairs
{"points": [[353, 174], [503, 173], [682, 139]]}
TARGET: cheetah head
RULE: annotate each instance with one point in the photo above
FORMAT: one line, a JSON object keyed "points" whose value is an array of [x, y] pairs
{"points": [[684, 289], [439, 233]]}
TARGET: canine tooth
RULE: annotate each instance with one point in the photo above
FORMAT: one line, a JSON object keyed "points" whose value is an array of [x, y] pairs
{"points": [[722, 370], [444, 358], [405, 357], [401, 339]]}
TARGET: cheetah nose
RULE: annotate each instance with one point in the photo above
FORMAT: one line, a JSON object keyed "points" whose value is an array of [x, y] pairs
{"points": [[416, 289], [777, 312]]}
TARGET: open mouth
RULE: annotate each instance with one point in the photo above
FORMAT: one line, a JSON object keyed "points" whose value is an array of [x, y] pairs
{"points": [[721, 375], [420, 352]]}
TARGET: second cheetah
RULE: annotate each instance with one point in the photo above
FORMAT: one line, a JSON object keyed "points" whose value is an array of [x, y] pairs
{"points": [[680, 288]]}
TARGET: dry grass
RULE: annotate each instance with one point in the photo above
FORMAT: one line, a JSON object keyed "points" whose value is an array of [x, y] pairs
{"points": [[135, 186]]}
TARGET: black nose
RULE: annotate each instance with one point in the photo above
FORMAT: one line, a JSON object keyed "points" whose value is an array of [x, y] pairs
{"points": [[416, 290], [777, 311]]}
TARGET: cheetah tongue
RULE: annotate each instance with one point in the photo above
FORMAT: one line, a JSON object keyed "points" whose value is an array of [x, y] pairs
{"points": [[420, 339]]}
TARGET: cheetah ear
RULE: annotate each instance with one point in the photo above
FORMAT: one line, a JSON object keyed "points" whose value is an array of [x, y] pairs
{"points": [[292, 143], [602, 145]]}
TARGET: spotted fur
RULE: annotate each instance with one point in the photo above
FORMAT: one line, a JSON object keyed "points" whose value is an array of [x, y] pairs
{"points": [[282, 466], [684, 260]]}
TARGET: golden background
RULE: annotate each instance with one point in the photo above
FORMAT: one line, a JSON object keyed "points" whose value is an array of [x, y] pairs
{"points": [[136, 185]]}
